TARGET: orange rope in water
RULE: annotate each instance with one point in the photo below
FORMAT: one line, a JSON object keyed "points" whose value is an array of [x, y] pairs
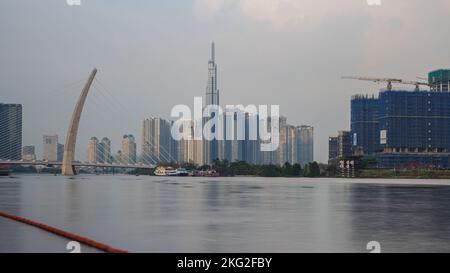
{"points": [[63, 233]]}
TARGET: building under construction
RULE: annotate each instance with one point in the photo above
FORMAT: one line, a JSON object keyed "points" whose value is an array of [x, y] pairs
{"points": [[400, 128]]}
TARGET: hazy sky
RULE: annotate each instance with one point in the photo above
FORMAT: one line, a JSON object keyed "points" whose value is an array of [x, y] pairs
{"points": [[153, 54]]}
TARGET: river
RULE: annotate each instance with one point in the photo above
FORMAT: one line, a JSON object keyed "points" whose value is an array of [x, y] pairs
{"points": [[238, 214]]}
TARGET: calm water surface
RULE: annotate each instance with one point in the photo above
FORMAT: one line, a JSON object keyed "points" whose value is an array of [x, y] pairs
{"points": [[162, 214]]}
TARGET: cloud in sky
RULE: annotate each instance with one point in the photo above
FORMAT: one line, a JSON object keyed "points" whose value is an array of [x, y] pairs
{"points": [[279, 13], [207, 8]]}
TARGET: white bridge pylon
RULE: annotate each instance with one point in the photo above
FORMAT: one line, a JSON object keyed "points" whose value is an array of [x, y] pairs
{"points": [[67, 167]]}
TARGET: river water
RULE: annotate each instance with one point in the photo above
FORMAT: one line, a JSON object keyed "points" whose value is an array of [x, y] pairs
{"points": [[239, 214]]}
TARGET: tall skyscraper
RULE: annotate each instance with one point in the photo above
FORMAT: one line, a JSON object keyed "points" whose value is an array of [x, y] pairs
{"points": [[344, 144], [252, 151], [92, 150], [189, 149], [211, 148], [129, 149], [403, 128], [11, 131], [268, 157], [332, 150], [305, 144], [414, 127], [212, 91], [232, 148], [283, 148], [50, 147], [364, 124]]}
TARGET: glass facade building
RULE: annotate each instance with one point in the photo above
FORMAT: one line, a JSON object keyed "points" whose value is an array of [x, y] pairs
{"points": [[11, 131], [414, 122], [403, 127], [364, 124]]}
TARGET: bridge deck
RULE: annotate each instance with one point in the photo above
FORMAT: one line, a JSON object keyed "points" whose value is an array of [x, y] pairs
{"points": [[77, 164]]}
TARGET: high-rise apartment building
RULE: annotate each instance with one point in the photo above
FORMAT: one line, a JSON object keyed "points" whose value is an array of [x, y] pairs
{"points": [[104, 151], [344, 144], [92, 150], [401, 127], [287, 150], [157, 142], [332, 150], [251, 145], [50, 147], [11, 131], [414, 126], [232, 147], [189, 149], [305, 144], [128, 149], [364, 124]]}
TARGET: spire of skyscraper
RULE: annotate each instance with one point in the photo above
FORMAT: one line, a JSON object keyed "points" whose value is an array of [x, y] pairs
{"points": [[213, 53]]}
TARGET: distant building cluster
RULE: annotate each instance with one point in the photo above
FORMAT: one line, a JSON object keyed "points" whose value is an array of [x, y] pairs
{"points": [[99, 151], [399, 128], [296, 143], [296, 146]]}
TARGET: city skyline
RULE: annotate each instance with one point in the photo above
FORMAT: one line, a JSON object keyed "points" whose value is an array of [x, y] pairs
{"points": [[159, 146], [266, 56]]}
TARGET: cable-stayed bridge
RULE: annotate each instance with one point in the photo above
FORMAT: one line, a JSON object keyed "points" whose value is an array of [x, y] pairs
{"points": [[69, 163]]}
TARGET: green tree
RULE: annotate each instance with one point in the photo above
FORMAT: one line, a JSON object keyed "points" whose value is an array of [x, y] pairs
{"points": [[296, 170], [270, 171]]}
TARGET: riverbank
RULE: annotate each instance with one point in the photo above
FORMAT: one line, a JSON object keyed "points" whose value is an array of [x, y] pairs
{"points": [[405, 174]]}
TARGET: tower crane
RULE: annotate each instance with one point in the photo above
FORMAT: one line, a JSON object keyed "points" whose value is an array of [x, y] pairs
{"points": [[389, 81], [416, 83], [376, 80]]}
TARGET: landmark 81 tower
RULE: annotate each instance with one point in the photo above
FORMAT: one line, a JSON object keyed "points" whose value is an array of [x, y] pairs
{"points": [[210, 148]]}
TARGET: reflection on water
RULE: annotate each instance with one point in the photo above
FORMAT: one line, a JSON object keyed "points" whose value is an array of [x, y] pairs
{"points": [[160, 214]]}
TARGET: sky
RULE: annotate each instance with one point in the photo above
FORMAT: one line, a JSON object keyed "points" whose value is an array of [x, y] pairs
{"points": [[153, 54]]}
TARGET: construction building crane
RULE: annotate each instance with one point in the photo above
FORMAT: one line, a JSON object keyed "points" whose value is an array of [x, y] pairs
{"points": [[389, 81], [376, 80], [416, 84]]}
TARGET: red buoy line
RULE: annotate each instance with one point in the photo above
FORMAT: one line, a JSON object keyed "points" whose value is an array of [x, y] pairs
{"points": [[63, 233]]}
